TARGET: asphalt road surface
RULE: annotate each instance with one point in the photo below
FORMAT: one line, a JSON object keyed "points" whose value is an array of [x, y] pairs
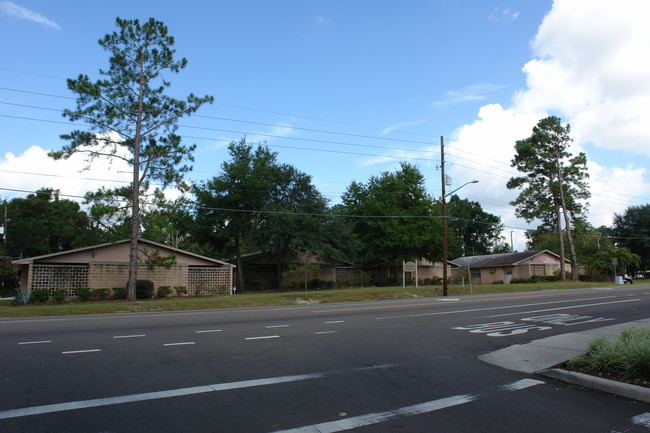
{"points": [[398, 366]]}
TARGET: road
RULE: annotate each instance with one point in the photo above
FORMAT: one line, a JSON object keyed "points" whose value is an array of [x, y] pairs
{"points": [[399, 366]]}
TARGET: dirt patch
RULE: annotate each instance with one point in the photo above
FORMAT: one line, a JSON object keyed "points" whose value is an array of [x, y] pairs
{"points": [[302, 301]]}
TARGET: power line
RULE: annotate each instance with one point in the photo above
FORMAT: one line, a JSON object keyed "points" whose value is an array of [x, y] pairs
{"points": [[238, 107]]}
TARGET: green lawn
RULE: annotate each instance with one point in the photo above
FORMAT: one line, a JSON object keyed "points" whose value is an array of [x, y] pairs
{"points": [[273, 299]]}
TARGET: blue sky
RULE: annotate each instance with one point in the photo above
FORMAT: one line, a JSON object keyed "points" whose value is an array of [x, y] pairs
{"points": [[380, 80]]}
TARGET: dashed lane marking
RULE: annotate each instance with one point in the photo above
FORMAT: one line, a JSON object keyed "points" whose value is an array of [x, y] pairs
{"points": [[277, 326], [35, 342], [209, 330], [377, 417], [501, 307], [183, 343], [416, 409], [521, 384], [71, 352], [130, 336], [263, 337]]}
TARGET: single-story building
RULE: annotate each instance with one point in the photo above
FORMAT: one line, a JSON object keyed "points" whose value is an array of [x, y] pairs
{"points": [[502, 268], [106, 266], [260, 271]]}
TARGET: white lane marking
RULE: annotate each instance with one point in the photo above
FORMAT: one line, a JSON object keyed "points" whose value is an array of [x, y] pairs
{"points": [[184, 343], [563, 308], [82, 404], [521, 384], [108, 401], [69, 352], [448, 299], [35, 342], [643, 419], [325, 332], [263, 337], [472, 310], [130, 336], [277, 326], [335, 321], [209, 330], [378, 417]]}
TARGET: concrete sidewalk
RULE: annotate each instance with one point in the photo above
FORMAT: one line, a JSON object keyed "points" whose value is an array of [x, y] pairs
{"points": [[539, 356]]}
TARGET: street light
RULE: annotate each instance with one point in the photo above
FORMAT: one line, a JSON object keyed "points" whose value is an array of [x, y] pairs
{"points": [[466, 183], [444, 234]]}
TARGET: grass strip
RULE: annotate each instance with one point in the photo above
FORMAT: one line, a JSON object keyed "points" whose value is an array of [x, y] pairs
{"points": [[256, 299]]}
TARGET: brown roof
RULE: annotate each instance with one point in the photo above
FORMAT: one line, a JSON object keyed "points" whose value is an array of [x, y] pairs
{"points": [[496, 260], [141, 241]]}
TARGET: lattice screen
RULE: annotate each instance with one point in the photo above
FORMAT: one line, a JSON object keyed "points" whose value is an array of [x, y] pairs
{"points": [[56, 277], [208, 281]]}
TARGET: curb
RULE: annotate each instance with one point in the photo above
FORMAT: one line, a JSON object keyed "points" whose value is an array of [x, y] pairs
{"points": [[596, 383]]}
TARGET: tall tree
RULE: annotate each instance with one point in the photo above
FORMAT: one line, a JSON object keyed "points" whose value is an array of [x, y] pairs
{"points": [[394, 217], [553, 183], [476, 230], [130, 117], [294, 217], [229, 205], [632, 230]]}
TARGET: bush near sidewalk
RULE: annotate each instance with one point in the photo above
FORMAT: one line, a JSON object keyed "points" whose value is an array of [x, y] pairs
{"points": [[624, 358]]}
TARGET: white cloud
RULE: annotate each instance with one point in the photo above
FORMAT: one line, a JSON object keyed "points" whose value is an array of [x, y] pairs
{"points": [[475, 92], [402, 125], [14, 10], [503, 14], [33, 169], [321, 23], [590, 68]]}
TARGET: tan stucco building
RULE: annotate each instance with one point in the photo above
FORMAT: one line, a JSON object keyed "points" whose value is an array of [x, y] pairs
{"points": [[106, 266], [502, 268]]}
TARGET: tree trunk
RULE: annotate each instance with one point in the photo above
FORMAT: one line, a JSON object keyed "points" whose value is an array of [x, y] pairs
{"points": [[135, 209], [567, 226]]}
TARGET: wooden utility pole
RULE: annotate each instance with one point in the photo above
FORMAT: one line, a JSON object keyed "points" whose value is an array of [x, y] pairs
{"points": [[444, 217]]}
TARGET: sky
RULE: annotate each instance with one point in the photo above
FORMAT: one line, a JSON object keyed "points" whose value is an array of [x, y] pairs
{"points": [[346, 90]]}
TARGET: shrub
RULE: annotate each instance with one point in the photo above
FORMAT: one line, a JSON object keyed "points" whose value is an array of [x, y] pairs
{"points": [[58, 296], [164, 291], [99, 294], [119, 293], [40, 296], [520, 281], [604, 355], [22, 298], [144, 289], [635, 348], [83, 293], [180, 290]]}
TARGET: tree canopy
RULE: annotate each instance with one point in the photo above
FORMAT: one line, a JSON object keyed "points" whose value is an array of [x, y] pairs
{"points": [[632, 230], [553, 183], [393, 217], [474, 231], [130, 117], [43, 223]]}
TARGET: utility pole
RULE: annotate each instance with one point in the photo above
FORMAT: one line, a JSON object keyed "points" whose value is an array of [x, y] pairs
{"points": [[4, 243], [444, 217]]}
